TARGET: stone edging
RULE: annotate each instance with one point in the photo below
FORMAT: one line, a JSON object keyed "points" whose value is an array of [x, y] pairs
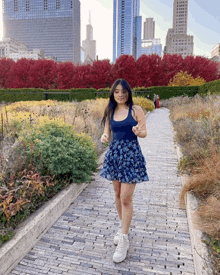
{"points": [[36, 225], [200, 252]]}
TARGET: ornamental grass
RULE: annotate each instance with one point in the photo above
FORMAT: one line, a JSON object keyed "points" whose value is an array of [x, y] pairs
{"points": [[196, 123]]}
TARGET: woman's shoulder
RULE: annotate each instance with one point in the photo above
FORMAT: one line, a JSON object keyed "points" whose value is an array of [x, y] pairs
{"points": [[136, 107]]}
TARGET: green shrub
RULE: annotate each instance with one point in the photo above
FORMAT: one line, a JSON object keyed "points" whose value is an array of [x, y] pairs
{"points": [[59, 151], [210, 87], [82, 94], [27, 94], [6, 235], [166, 92]]}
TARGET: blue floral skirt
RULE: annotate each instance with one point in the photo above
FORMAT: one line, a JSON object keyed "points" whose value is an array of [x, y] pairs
{"points": [[125, 162]]}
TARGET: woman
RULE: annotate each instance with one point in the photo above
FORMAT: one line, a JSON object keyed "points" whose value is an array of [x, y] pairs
{"points": [[124, 163]]}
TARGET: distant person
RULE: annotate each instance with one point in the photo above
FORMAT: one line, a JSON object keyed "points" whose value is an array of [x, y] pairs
{"points": [[158, 102], [124, 163], [155, 99]]}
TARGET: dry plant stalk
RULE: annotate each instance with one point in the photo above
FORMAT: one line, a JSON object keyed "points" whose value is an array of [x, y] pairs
{"points": [[207, 217], [205, 181], [2, 125]]}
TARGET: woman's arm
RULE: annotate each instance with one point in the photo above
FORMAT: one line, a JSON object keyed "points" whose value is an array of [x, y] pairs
{"points": [[107, 128], [140, 129], [106, 134]]}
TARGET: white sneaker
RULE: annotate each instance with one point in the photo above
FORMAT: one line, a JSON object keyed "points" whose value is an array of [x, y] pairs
{"points": [[118, 236], [121, 250]]}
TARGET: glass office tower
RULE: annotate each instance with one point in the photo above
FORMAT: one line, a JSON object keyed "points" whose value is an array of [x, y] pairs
{"points": [[50, 25], [126, 28]]}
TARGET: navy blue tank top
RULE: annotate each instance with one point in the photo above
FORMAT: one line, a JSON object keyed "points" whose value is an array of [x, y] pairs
{"points": [[123, 129]]}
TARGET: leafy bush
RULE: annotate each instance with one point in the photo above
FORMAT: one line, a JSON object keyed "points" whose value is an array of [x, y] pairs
{"points": [[145, 103], [210, 87], [60, 152], [82, 94], [185, 79]]}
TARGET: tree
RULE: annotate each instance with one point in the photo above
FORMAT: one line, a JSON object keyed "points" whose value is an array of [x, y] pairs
{"points": [[185, 79], [155, 71], [99, 76], [18, 76], [201, 66], [5, 67], [125, 67], [65, 75], [170, 65], [144, 71], [82, 76], [43, 74]]}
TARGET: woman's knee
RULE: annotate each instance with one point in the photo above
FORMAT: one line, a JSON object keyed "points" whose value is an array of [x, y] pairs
{"points": [[126, 200], [127, 192]]}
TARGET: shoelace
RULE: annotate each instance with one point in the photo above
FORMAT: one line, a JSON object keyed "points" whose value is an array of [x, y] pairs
{"points": [[119, 232], [121, 244]]}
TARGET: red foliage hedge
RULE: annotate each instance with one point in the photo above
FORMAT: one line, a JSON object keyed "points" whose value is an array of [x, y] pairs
{"points": [[147, 71]]}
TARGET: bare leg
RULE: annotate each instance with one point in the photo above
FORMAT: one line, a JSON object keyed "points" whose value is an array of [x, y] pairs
{"points": [[117, 189], [126, 195]]}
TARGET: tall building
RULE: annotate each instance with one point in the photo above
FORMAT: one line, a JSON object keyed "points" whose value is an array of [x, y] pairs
{"points": [[50, 25], [177, 40], [215, 54], [126, 28], [215, 51], [151, 46], [89, 45], [15, 50], [149, 29], [10, 46]]}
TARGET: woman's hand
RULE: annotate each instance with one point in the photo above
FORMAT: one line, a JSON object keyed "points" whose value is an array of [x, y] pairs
{"points": [[137, 130], [104, 138]]}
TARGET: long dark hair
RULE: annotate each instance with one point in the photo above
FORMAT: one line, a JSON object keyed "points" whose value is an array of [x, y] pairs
{"points": [[112, 104]]}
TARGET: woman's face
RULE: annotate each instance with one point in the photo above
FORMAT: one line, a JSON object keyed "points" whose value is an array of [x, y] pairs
{"points": [[120, 94]]}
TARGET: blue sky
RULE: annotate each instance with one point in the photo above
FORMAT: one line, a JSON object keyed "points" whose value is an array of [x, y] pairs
{"points": [[203, 22]]}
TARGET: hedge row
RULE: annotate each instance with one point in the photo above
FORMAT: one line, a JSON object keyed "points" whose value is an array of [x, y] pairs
{"points": [[211, 87], [13, 95], [165, 92]]}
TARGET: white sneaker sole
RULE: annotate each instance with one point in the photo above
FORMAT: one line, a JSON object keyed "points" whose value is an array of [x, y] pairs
{"points": [[119, 260]]}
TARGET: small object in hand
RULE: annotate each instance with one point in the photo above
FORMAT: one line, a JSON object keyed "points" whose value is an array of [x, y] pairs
{"points": [[136, 128]]}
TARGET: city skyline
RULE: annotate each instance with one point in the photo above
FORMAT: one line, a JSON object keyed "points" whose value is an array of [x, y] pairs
{"points": [[206, 32], [203, 23]]}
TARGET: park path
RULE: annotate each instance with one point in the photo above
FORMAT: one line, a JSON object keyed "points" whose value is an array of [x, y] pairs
{"points": [[81, 241]]}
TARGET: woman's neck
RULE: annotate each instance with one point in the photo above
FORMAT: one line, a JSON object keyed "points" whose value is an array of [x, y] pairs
{"points": [[121, 106]]}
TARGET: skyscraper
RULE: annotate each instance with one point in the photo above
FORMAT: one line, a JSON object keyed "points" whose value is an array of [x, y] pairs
{"points": [[89, 45], [126, 28], [149, 29], [177, 40], [50, 25], [215, 54], [150, 44]]}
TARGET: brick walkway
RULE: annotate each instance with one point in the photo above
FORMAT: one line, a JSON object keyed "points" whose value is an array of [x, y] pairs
{"points": [[81, 241]]}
